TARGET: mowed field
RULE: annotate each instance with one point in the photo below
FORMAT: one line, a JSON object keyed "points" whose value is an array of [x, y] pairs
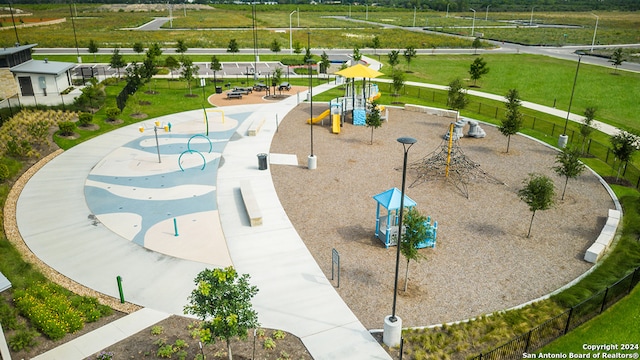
{"points": [[328, 25]]}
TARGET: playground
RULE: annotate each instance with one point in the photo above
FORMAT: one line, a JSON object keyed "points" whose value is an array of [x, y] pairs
{"points": [[483, 261]]}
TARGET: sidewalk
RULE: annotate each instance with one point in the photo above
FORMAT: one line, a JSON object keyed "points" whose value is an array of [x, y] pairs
{"points": [[93, 245]]}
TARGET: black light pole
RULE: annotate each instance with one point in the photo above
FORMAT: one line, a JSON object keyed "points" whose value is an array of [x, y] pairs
{"points": [[404, 141], [310, 88], [564, 135], [312, 162], [73, 23], [255, 45], [13, 20]]}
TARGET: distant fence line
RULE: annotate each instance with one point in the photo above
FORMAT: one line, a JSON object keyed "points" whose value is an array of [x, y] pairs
{"points": [[591, 148], [552, 329]]}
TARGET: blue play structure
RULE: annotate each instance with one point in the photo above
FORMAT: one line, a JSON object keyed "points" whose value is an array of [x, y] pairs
{"points": [[432, 232], [387, 224]]}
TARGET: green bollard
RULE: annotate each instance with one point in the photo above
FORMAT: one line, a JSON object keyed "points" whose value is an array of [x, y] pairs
{"points": [[175, 226], [119, 280]]}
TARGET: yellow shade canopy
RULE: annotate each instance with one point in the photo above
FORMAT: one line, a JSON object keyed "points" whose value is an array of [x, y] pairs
{"points": [[359, 71]]}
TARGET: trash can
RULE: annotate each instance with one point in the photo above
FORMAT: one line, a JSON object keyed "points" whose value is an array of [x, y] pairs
{"points": [[218, 89], [262, 161]]}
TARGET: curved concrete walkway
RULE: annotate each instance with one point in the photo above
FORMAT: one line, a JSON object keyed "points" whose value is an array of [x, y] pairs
{"points": [[92, 244]]}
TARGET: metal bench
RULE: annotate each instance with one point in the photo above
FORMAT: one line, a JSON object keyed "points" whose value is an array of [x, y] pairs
{"points": [[234, 95], [243, 90], [284, 86]]}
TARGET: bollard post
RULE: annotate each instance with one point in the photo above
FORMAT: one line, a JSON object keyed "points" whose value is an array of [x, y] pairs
{"points": [[119, 280], [175, 226]]}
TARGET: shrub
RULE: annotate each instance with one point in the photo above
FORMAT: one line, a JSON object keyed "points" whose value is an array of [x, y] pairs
{"points": [[18, 148], [85, 119], [66, 128], [112, 112], [4, 175], [22, 339], [269, 344], [279, 335], [8, 315], [157, 330], [105, 355], [165, 351]]}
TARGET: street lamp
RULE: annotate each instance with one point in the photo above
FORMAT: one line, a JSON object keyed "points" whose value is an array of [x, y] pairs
{"points": [[486, 15], [290, 36], [594, 31], [312, 162], [562, 141], [73, 23], [531, 18], [473, 24], [414, 16], [392, 333]]}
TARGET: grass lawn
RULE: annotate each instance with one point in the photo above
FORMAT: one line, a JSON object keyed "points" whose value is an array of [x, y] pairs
{"points": [[541, 80], [616, 325]]}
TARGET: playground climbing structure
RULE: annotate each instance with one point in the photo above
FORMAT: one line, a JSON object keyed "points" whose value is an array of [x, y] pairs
{"points": [[448, 161]]}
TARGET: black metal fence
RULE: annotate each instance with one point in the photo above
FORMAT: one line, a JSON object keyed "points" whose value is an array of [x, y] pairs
{"points": [[121, 99], [590, 147], [552, 329]]}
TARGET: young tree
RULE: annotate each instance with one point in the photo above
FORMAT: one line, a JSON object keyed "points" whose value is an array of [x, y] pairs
{"points": [[457, 95], [394, 58], [409, 54], [275, 46], [138, 48], [324, 62], [117, 61], [93, 48], [569, 166], [415, 232], [357, 56], [275, 78], [397, 78], [222, 300], [133, 75], [172, 64], [215, 66], [181, 47], [477, 69], [511, 124], [476, 44], [623, 145], [154, 51], [587, 126], [233, 46], [307, 56], [538, 194], [617, 58], [373, 119], [188, 71], [297, 47], [375, 44], [148, 70]]}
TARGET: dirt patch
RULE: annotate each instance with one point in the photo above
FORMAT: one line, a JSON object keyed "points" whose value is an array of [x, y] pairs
{"points": [[483, 261], [144, 343]]}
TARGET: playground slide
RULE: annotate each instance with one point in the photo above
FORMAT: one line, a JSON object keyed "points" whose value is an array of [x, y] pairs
{"points": [[319, 117]]}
